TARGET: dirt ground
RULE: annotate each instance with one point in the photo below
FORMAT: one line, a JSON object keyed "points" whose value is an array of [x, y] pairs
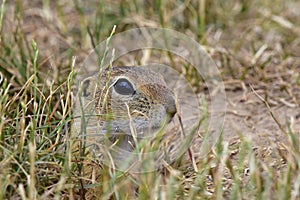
{"points": [[249, 115]]}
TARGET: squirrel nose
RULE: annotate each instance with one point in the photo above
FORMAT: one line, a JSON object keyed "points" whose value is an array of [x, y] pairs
{"points": [[171, 107]]}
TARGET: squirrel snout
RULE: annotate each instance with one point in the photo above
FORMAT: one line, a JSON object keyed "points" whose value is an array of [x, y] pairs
{"points": [[171, 107]]}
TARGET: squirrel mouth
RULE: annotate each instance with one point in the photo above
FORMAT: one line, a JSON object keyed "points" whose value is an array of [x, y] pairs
{"points": [[137, 128]]}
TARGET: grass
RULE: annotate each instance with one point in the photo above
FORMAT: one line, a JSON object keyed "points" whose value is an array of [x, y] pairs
{"points": [[252, 42]]}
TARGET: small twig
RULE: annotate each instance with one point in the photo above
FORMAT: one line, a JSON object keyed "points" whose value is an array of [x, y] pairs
{"points": [[269, 109], [183, 133], [131, 125]]}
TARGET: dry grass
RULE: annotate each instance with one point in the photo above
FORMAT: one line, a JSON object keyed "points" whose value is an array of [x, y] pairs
{"points": [[253, 43]]}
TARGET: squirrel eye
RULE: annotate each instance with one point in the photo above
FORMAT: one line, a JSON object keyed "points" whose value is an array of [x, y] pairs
{"points": [[124, 87]]}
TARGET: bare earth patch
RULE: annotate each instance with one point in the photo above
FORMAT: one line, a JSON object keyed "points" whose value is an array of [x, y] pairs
{"points": [[249, 116]]}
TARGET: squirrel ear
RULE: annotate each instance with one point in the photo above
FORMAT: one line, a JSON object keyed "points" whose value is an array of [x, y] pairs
{"points": [[85, 87]]}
